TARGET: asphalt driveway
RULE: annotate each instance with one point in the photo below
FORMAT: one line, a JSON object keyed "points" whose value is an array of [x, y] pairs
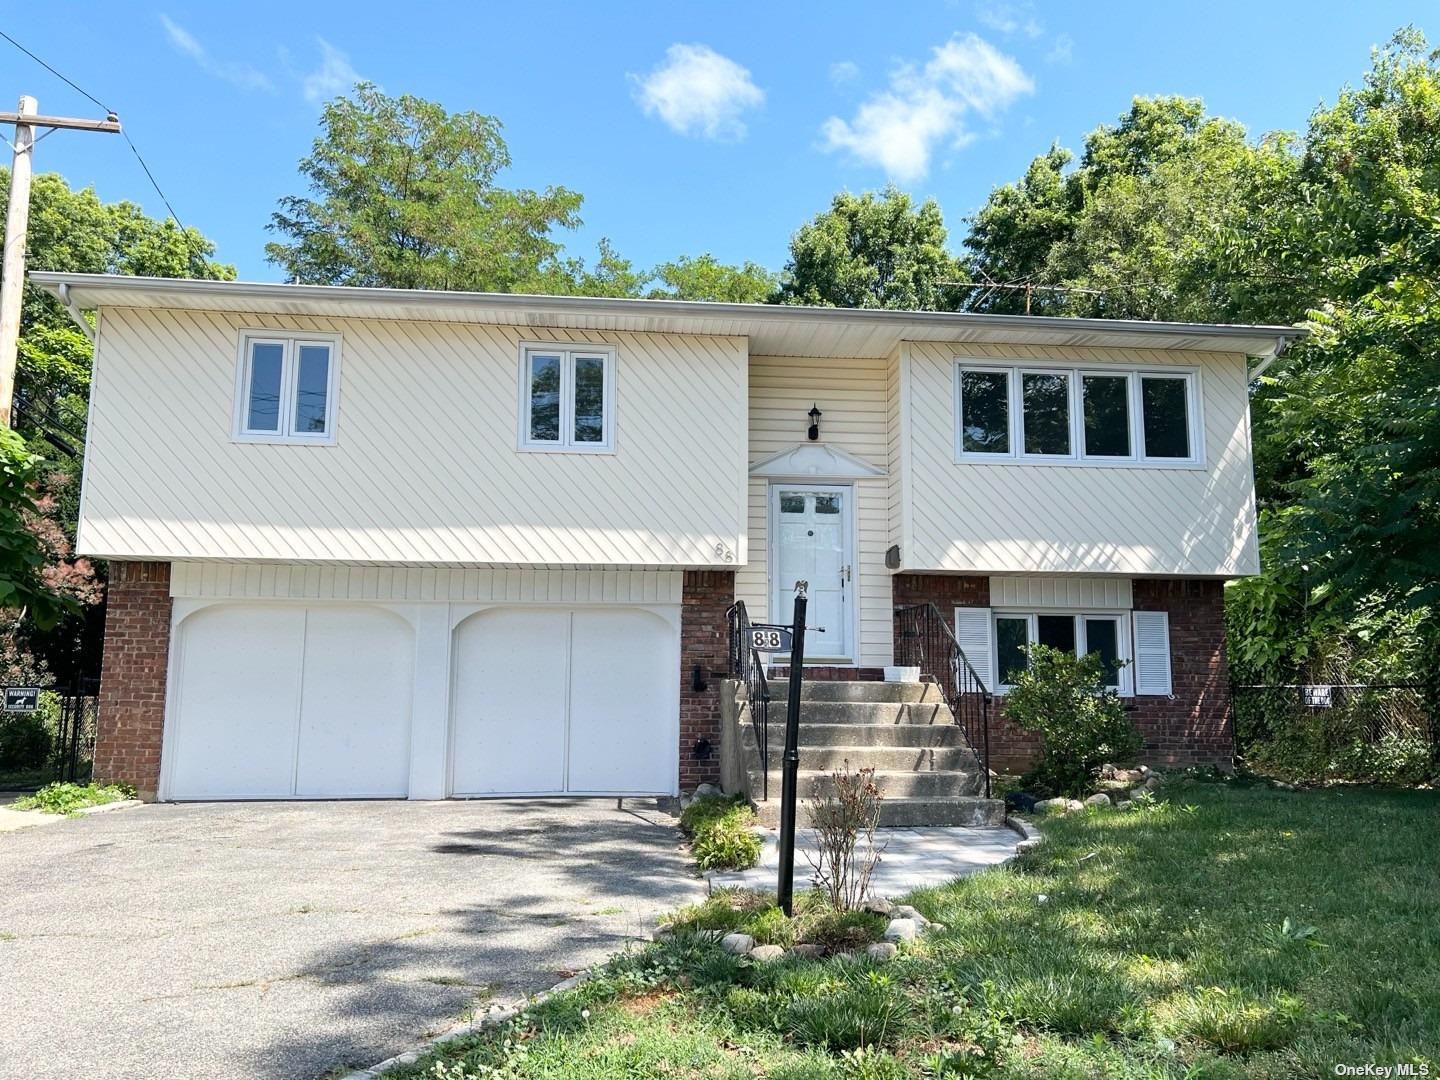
{"points": [[290, 940]]}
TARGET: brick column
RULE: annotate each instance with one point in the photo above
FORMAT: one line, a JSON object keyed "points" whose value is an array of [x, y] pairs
{"points": [[1192, 726], [132, 676], [704, 640]]}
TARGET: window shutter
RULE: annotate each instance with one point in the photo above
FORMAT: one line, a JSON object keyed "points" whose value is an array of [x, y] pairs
{"points": [[974, 630], [1152, 652]]}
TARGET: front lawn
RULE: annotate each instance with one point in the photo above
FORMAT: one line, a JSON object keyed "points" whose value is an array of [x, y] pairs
{"points": [[1224, 931]]}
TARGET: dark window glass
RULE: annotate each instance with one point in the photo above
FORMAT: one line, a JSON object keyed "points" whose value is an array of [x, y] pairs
{"points": [[1057, 631], [589, 399], [1167, 418], [1102, 636], [1011, 637], [827, 504], [1047, 413], [792, 504], [262, 409], [545, 398], [312, 389], [985, 404], [1107, 415]]}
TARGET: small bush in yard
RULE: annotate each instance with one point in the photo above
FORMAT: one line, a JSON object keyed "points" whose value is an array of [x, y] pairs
{"points": [[720, 833], [25, 743], [1083, 725], [68, 798], [844, 813]]}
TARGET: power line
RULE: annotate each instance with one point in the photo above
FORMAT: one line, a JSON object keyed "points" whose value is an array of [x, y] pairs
{"points": [[149, 175]]}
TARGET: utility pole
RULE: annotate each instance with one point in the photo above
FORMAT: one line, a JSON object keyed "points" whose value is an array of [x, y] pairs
{"points": [[17, 219]]}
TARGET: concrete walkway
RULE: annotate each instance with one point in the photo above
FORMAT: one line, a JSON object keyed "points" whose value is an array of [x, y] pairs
{"points": [[910, 859], [296, 940]]}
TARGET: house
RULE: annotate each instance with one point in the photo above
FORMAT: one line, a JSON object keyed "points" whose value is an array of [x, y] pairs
{"points": [[382, 543]]}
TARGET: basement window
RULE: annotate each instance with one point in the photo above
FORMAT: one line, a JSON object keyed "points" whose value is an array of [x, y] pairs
{"points": [[285, 387], [567, 399], [1106, 633]]}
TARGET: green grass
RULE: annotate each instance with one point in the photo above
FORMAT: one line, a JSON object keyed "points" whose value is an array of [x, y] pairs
{"points": [[1221, 931], [70, 798], [720, 833]]}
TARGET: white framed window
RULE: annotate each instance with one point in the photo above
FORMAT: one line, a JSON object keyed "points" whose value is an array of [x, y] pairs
{"points": [[567, 398], [286, 386], [1110, 416], [1078, 632]]}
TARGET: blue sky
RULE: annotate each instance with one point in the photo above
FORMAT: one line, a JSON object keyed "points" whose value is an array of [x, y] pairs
{"points": [[687, 127]]}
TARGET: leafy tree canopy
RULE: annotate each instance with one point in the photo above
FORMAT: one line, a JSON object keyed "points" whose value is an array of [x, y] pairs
{"points": [[871, 251], [703, 277], [405, 195]]}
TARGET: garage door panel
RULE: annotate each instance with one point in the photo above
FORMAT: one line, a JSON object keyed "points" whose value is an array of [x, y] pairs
{"points": [[237, 703], [510, 700], [355, 704], [622, 735]]}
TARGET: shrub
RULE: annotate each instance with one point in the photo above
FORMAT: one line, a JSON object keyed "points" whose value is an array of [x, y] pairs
{"points": [[720, 833], [1082, 724], [68, 798], [25, 743], [843, 812]]}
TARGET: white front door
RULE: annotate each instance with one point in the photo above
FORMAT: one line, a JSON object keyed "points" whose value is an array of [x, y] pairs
{"points": [[814, 542]]}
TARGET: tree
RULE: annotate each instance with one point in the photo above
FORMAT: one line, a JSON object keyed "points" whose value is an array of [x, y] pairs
{"points": [[404, 195], [871, 251], [1135, 229], [703, 277]]}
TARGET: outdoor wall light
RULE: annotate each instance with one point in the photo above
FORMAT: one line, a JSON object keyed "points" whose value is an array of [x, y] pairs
{"points": [[814, 414]]}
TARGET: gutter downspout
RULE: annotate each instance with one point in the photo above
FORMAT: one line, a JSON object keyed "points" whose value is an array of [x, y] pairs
{"points": [[76, 315], [1280, 346]]}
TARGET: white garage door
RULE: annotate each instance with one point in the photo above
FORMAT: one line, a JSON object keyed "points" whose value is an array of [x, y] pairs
{"points": [[554, 701], [279, 701]]}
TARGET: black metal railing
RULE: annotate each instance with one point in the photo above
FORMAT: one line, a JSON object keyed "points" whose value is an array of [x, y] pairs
{"points": [[748, 666], [923, 639]]}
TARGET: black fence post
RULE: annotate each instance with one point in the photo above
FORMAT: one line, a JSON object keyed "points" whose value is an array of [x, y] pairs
{"points": [[790, 769]]}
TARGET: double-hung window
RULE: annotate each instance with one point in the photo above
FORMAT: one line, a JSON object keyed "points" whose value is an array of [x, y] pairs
{"points": [[286, 387], [567, 399], [1106, 633], [1077, 416]]}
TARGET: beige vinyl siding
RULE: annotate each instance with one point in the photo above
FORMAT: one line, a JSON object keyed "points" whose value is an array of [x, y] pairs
{"points": [[268, 581], [425, 467], [852, 396], [1029, 518]]}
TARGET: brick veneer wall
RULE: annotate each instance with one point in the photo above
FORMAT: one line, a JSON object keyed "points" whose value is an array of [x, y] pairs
{"points": [[132, 676], [1191, 727], [704, 640]]}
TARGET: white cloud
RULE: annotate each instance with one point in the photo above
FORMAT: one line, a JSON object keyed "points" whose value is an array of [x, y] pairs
{"points": [[1010, 17], [844, 71], [1062, 50], [242, 75], [900, 127], [334, 76], [696, 91]]}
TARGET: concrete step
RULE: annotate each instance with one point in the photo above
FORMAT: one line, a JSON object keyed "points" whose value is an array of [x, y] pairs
{"points": [[890, 758], [871, 734], [866, 712], [856, 690], [900, 813], [893, 783]]}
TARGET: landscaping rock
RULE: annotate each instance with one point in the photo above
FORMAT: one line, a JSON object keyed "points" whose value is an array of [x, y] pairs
{"points": [[662, 933], [738, 944], [1130, 776], [1059, 806], [882, 950], [1098, 799], [707, 789], [878, 905], [905, 911], [935, 928], [766, 954], [901, 930], [1152, 782], [811, 952], [1107, 772]]}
